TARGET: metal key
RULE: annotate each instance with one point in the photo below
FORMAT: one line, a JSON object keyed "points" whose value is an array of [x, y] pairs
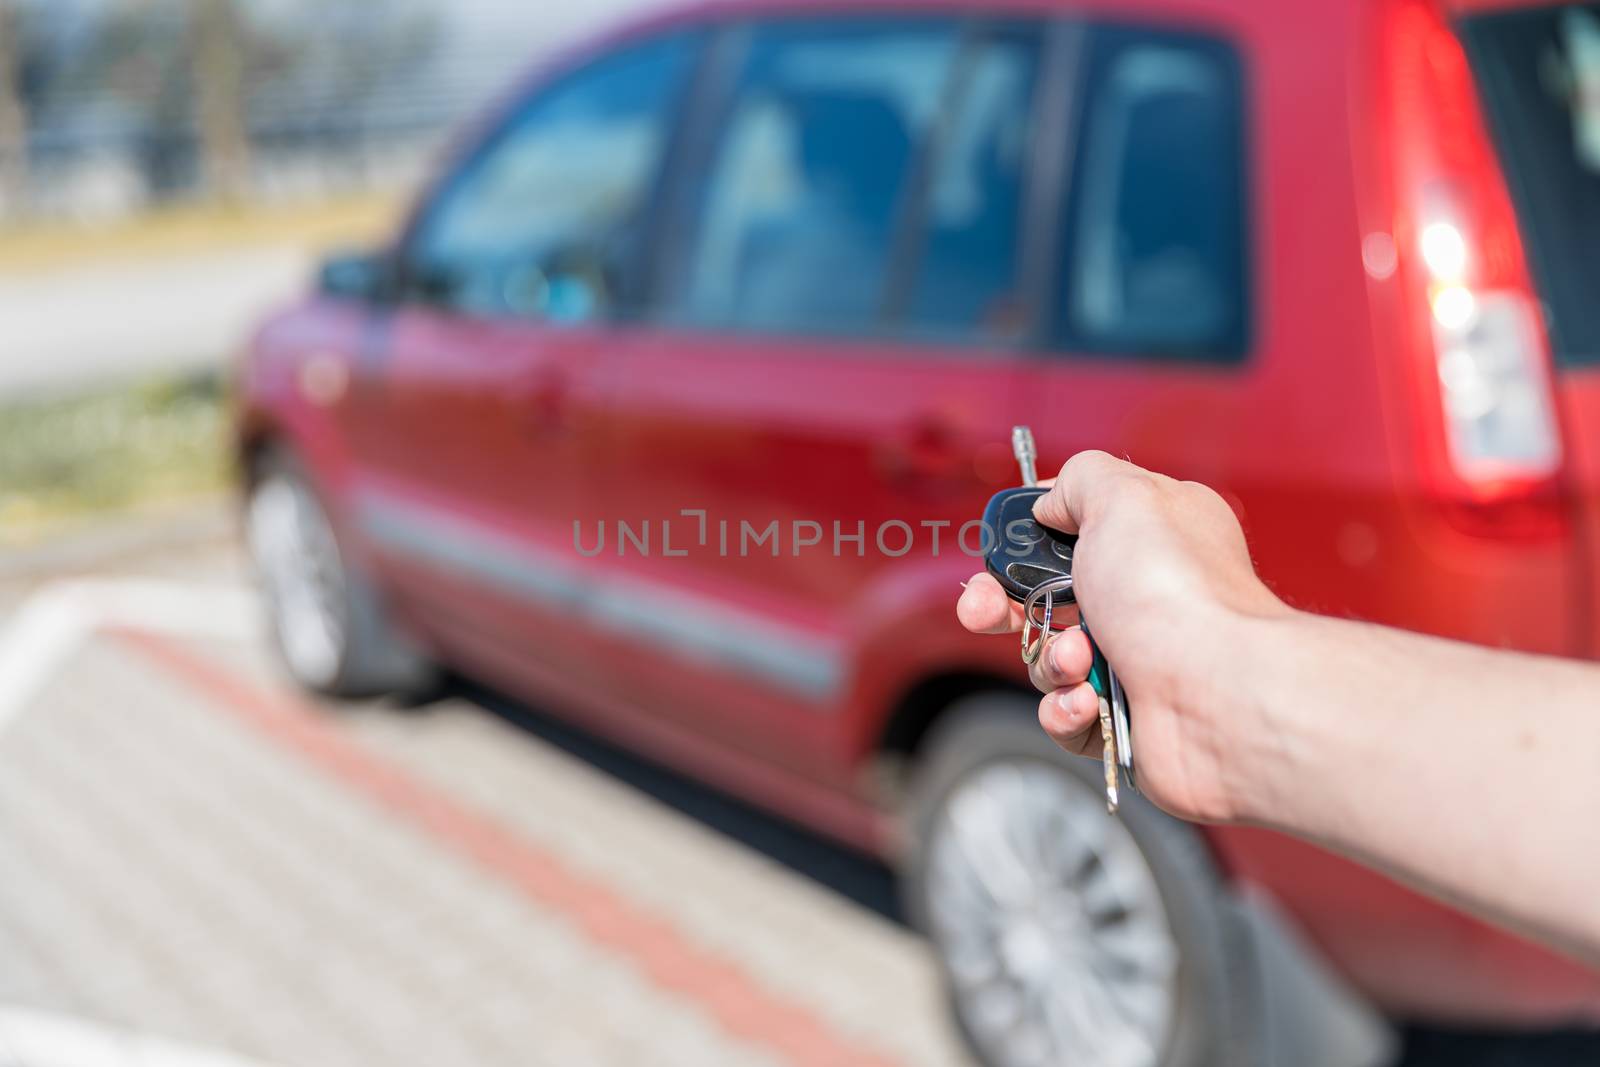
{"points": [[1023, 553], [1033, 563], [1027, 454], [1109, 747]]}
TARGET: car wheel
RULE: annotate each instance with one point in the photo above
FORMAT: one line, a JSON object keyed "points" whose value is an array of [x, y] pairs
{"points": [[326, 615], [1067, 935]]}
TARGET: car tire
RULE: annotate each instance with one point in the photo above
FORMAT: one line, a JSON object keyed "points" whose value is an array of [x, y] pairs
{"points": [[1064, 934], [327, 616]]}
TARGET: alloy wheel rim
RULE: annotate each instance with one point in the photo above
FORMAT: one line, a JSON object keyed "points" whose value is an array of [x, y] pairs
{"points": [[1050, 922], [298, 560]]}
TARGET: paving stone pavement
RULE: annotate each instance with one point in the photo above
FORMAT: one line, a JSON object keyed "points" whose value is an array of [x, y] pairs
{"points": [[168, 869]]}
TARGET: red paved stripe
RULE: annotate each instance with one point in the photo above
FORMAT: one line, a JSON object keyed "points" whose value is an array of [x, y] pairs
{"points": [[662, 952]]}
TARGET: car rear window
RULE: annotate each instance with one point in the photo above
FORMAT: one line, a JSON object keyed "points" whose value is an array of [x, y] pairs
{"points": [[1154, 250], [1539, 72]]}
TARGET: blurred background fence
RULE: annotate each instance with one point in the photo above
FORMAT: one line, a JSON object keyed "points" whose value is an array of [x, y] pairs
{"points": [[111, 107]]}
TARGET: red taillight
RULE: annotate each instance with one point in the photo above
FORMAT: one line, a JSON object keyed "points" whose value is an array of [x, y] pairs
{"points": [[1485, 368]]}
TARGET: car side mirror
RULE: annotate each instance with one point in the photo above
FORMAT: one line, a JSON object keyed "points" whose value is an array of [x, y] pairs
{"points": [[363, 276], [579, 282]]}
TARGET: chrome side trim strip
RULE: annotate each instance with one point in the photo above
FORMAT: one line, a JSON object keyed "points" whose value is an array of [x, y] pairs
{"points": [[696, 628]]}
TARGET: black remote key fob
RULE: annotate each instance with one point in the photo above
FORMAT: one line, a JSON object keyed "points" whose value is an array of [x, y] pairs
{"points": [[1020, 551]]}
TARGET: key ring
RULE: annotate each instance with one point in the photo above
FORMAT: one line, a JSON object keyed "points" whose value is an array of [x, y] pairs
{"points": [[1033, 647]]}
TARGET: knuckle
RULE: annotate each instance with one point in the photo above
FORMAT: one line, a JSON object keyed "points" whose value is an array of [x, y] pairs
{"points": [[1087, 460], [1200, 492], [1209, 502], [1140, 486]]}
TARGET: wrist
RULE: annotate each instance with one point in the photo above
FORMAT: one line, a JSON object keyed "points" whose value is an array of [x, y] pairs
{"points": [[1265, 737], [1239, 731]]}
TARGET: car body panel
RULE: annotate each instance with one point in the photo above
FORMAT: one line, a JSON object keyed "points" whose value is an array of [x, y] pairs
{"points": [[1579, 394]]}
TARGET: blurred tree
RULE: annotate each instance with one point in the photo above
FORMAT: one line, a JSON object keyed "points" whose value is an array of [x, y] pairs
{"points": [[204, 95], [126, 84], [344, 51], [13, 114], [217, 52]]}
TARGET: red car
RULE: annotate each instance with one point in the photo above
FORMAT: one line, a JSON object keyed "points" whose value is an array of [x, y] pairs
{"points": [[706, 345]]}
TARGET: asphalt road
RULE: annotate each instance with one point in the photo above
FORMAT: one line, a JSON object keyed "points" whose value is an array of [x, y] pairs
{"points": [[71, 326]]}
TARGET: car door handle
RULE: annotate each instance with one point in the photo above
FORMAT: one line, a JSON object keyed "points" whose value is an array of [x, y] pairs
{"points": [[540, 402], [929, 450]]}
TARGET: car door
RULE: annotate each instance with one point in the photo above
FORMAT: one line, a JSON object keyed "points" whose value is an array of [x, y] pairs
{"points": [[478, 416], [1145, 344], [823, 394]]}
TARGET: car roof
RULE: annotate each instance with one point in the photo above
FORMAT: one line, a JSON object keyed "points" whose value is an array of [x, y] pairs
{"points": [[699, 11], [689, 13]]}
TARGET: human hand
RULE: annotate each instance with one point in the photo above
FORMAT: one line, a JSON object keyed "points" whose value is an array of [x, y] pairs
{"points": [[1163, 574]]}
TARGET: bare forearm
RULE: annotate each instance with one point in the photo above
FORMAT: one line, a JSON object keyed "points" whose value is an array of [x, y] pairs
{"points": [[1473, 774]]}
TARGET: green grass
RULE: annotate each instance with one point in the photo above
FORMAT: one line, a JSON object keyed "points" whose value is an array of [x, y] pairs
{"points": [[109, 452]]}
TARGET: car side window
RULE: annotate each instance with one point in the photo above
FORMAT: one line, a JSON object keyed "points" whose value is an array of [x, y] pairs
{"points": [[793, 227], [540, 221], [965, 281], [1155, 241]]}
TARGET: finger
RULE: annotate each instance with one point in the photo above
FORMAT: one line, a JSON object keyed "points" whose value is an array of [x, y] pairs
{"points": [[984, 607], [1072, 719], [1064, 663]]}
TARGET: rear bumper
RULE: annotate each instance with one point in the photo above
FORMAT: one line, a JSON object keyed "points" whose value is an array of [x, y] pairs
{"points": [[1311, 1015]]}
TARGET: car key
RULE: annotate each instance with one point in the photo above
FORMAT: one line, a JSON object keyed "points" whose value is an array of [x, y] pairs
{"points": [[1022, 552], [1030, 561]]}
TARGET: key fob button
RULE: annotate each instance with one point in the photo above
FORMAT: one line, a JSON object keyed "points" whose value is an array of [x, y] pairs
{"points": [[1027, 574], [1022, 552]]}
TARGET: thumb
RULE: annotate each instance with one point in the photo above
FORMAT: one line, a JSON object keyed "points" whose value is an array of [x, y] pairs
{"points": [[1053, 509], [1081, 484]]}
